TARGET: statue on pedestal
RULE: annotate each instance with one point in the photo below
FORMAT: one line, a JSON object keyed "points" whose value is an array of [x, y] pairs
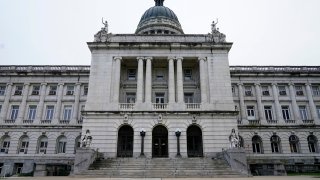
{"points": [[234, 139], [87, 139]]}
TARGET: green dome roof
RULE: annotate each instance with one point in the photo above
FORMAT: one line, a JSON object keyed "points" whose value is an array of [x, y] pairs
{"points": [[159, 11]]}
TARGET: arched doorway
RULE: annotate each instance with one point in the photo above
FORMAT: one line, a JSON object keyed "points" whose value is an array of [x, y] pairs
{"points": [[194, 142], [160, 142], [125, 142]]}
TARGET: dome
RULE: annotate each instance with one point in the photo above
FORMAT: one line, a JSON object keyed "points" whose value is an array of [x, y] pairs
{"points": [[159, 20]]}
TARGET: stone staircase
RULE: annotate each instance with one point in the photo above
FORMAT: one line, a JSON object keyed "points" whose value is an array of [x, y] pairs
{"points": [[160, 168]]}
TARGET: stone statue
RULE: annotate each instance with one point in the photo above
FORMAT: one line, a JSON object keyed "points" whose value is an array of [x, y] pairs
{"points": [[234, 139], [213, 26], [215, 36], [106, 26], [87, 139], [102, 35]]}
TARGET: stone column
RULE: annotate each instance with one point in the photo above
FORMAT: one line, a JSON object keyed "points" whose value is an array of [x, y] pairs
{"points": [[259, 102], [5, 105], [22, 108], [203, 79], [313, 108], [295, 107], [57, 114], [41, 103], [171, 81], [140, 80], [148, 87], [242, 104], [76, 103], [180, 92], [277, 103], [116, 80]]}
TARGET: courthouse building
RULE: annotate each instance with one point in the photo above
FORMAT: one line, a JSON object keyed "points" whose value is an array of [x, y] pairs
{"points": [[144, 90]]}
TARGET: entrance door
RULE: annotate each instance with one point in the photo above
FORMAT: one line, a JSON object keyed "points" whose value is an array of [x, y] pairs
{"points": [[125, 142], [194, 142], [159, 142]]}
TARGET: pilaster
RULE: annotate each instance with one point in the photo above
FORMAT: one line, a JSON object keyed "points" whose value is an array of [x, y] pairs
{"points": [[148, 86], [277, 103], [259, 102], [171, 81], [140, 80], [58, 106], [40, 106], [295, 107], [203, 80], [180, 91], [22, 107], [313, 108], [5, 105], [76, 103], [116, 80]]}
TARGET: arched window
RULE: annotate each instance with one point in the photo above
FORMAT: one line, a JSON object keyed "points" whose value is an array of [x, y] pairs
{"points": [[313, 144], [42, 144], [275, 144], [257, 145], [23, 145], [5, 144], [294, 144], [61, 144], [241, 142]]}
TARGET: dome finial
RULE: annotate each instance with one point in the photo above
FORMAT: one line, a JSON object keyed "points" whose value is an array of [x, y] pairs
{"points": [[159, 2]]}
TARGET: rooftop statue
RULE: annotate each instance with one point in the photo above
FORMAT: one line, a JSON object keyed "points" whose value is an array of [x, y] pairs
{"points": [[103, 34], [215, 36]]}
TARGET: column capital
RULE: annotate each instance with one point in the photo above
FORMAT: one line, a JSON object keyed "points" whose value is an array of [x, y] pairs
{"points": [[179, 58], [291, 84], [9, 84], [148, 58], [44, 84], [171, 58], [274, 84], [308, 84], [117, 58], [257, 84], [202, 58], [240, 84], [78, 84], [26, 84], [60, 84]]}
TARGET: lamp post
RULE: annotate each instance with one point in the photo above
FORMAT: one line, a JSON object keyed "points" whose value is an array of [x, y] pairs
{"points": [[142, 134], [178, 133]]}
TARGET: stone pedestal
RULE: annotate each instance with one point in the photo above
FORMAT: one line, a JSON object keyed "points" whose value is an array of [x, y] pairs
{"points": [[84, 158], [41, 170]]}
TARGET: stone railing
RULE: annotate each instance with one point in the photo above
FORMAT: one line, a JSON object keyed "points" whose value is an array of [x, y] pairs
{"points": [[308, 121], [126, 106], [254, 122], [158, 106], [27, 121], [237, 160], [193, 106], [9, 121], [45, 121], [290, 121], [64, 121], [272, 121], [31, 68]]}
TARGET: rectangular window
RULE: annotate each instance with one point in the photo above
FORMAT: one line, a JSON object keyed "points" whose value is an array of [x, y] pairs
{"points": [[233, 90], [32, 112], [265, 91], [53, 90], [43, 147], [18, 90], [250, 112], [62, 147], [299, 91], [67, 111], [70, 90], [160, 98], [85, 90], [131, 97], [2, 90], [315, 91], [303, 112], [24, 147], [188, 98], [5, 146], [14, 112], [285, 112], [35, 90], [318, 111], [132, 74], [49, 112], [187, 74], [248, 90], [282, 90], [268, 112]]}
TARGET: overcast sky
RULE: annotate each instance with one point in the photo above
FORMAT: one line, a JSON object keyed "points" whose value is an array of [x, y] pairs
{"points": [[264, 32]]}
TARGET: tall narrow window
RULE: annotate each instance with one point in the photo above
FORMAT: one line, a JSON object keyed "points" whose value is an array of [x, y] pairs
{"points": [[303, 112], [275, 144], [85, 90], [248, 90], [0, 108], [265, 91], [49, 112], [18, 90], [233, 90], [294, 144], [188, 98], [315, 91], [42, 145], [160, 98], [187, 74], [285, 112], [67, 111], [61, 144], [52, 90], [23, 145], [14, 112], [70, 90], [313, 144], [35, 90], [32, 112], [132, 74], [131, 97], [318, 111], [250, 112], [299, 91], [268, 112], [282, 90], [2, 90], [5, 144], [257, 145]]}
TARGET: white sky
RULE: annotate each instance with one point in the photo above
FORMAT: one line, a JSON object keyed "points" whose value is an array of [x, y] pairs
{"points": [[264, 32]]}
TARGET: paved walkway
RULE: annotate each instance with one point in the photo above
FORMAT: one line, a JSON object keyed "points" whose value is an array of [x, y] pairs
{"points": [[253, 178]]}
